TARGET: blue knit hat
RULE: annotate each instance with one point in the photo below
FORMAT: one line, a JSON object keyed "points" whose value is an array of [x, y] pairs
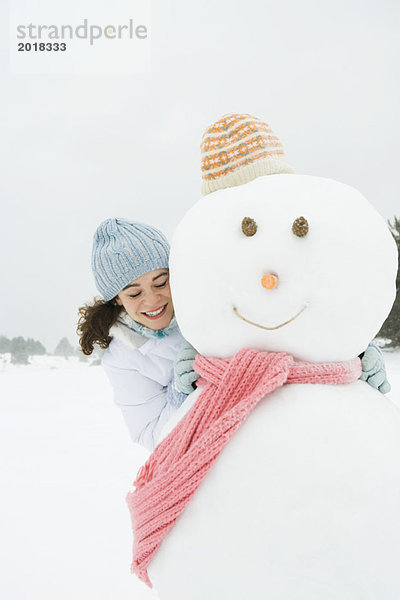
{"points": [[123, 251]]}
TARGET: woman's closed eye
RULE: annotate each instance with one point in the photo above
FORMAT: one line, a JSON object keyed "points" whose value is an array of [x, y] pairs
{"points": [[161, 285]]}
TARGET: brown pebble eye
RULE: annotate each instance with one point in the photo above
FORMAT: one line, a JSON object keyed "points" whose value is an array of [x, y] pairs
{"points": [[249, 226], [300, 227]]}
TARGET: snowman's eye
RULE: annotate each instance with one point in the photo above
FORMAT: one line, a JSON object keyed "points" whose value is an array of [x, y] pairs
{"points": [[300, 227], [249, 226]]}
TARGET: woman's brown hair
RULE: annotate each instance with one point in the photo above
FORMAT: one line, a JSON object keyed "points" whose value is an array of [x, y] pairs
{"points": [[95, 321]]}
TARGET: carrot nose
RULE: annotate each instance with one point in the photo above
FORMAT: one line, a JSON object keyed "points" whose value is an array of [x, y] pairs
{"points": [[269, 281]]}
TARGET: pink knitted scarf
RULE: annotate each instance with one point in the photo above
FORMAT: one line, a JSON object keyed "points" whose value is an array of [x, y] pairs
{"points": [[174, 471]]}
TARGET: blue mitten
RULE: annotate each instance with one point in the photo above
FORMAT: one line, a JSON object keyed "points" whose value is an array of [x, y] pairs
{"points": [[373, 369], [174, 397], [184, 374]]}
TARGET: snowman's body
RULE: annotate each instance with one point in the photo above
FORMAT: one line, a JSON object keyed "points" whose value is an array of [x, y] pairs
{"points": [[302, 504], [304, 501]]}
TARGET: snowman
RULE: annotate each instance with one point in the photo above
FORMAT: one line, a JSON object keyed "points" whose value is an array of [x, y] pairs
{"points": [[303, 500]]}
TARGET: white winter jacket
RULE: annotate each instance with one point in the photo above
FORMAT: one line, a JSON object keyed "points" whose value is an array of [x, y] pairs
{"points": [[139, 370]]}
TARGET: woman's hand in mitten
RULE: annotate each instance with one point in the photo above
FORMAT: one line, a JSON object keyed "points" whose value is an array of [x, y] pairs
{"points": [[373, 369], [184, 374]]}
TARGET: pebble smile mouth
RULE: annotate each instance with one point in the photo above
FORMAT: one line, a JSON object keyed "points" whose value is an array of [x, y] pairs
{"points": [[155, 314], [235, 310]]}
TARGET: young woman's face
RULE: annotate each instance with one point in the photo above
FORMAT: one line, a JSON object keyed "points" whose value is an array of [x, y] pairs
{"points": [[147, 299]]}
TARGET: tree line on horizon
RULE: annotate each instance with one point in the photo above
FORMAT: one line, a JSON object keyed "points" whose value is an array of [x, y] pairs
{"points": [[22, 349], [390, 330]]}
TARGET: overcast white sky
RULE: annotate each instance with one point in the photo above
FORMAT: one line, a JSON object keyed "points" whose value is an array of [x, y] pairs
{"points": [[78, 149]]}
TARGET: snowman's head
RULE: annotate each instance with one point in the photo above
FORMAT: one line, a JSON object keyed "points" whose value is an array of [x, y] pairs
{"points": [[287, 263]]}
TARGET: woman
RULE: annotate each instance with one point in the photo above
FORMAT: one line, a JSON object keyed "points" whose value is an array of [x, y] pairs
{"points": [[148, 362], [135, 323]]}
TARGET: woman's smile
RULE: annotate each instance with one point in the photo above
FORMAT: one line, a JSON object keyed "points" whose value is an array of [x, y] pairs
{"points": [[157, 313]]}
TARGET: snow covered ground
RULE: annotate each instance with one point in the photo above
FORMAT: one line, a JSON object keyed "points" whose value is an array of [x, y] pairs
{"points": [[66, 463]]}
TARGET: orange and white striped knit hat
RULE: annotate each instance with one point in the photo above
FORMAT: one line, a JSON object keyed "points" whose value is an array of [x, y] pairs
{"points": [[237, 149]]}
